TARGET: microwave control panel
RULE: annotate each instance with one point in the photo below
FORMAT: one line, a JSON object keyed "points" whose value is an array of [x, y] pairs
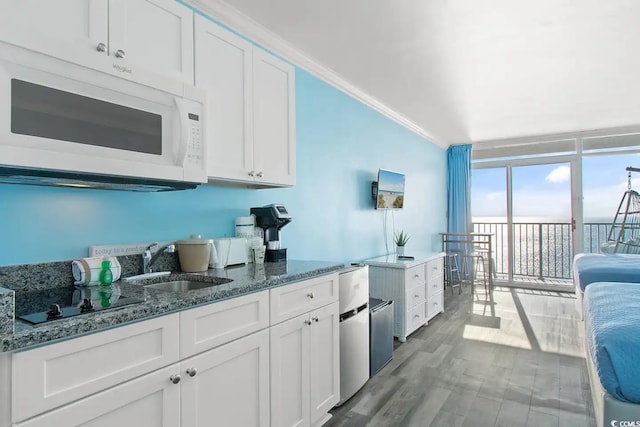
{"points": [[195, 152]]}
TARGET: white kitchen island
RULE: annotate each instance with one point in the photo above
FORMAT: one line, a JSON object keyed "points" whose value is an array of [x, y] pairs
{"points": [[415, 287]]}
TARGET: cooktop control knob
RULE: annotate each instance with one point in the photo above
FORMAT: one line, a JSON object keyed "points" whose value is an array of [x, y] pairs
{"points": [[54, 312], [87, 305]]}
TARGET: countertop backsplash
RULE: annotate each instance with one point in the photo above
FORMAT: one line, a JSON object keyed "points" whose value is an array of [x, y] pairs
{"points": [[32, 277], [7, 311]]}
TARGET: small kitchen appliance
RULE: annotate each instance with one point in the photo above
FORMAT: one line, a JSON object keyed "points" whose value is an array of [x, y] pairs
{"points": [[229, 251], [271, 219]]}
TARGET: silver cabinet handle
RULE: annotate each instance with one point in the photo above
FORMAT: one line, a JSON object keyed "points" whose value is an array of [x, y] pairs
{"points": [[252, 173], [416, 296], [416, 316], [192, 372], [315, 319], [415, 276], [120, 53], [175, 378], [101, 47], [259, 175], [311, 295], [307, 322]]}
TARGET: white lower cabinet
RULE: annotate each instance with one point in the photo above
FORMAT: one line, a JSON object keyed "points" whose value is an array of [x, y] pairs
{"points": [[305, 368], [151, 400], [229, 386]]}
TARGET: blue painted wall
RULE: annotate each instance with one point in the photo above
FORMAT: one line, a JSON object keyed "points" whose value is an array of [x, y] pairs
{"points": [[341, 143]]}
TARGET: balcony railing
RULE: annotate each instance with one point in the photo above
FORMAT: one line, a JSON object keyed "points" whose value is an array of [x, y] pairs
{"points": [[541, 250]]}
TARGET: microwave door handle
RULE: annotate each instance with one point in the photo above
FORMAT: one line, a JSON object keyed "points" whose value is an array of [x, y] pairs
{"points": [[184, 130]]}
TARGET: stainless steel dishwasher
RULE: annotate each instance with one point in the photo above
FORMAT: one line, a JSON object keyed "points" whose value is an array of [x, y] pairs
{"points": [[381, 339], [354, 330]]}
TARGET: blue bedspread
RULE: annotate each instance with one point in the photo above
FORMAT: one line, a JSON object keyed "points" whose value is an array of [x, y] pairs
{"points": [[591, 268], [612, 327]]}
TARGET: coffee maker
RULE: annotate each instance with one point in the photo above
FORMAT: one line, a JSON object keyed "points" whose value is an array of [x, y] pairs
{"points": [[271, 219]]}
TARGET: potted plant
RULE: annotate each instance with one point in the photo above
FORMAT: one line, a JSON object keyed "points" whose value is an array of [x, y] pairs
{"points": [[400, 240]]}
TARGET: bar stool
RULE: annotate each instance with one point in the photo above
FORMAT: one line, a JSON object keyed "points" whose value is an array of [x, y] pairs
{"points": [[452, 272], [481, 268]]}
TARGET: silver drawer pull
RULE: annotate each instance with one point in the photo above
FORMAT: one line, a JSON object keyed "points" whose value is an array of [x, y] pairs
{"points": [[192, 372], [416, 296], [101, 47], [307, 322], [416, 276], [120, 53], [259, 175], [311, 295], [315, 319], [252, 173], [416, 316], [175, 378]]}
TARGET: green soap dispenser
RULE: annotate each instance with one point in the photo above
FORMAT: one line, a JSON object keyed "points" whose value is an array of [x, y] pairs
{"points": [[106, 276]]}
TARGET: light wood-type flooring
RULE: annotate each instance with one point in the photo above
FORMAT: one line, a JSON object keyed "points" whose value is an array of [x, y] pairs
{"points": [[514, 361]]}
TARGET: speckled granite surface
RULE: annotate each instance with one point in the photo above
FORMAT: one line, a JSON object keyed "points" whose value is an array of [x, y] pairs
{"points": [[245, 279], [55, 274], [7, 311]]}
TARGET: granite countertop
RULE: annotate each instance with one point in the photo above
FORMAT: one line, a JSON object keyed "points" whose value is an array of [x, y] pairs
{"points": [[392, 260], [245, 280]]}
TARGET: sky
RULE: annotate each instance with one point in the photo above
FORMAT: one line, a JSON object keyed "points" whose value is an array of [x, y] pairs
{"points": [[544, 191], [390, 181]]}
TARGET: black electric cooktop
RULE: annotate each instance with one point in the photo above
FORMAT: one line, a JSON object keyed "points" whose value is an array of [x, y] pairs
{"points": [[59, 303]]}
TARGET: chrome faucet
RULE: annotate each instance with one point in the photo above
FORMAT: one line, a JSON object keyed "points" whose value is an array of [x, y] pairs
{"points": [[148, 259]]}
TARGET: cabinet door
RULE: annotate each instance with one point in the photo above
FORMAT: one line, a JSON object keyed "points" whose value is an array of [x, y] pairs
{"points": [[50, 376], [223, 68], [230, 386], [152, 35], [273, 120], [149, 401], [324, 361], [290, 372], [67, 29]]}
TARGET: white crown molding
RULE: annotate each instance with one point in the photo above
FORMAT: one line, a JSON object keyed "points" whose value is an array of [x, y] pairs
{"points": [[556, 137], [236, 20]]}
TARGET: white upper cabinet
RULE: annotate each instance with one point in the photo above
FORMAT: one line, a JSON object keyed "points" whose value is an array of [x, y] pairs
{"points": [[155, 35], [223, 68], [251, 109], [273, 119], [126, 37]]}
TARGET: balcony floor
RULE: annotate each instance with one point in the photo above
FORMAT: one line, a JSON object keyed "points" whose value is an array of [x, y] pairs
{"points": [[528, 282]]}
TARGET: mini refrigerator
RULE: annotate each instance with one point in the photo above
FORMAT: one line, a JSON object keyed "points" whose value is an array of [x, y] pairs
{"points": [[354, 330], [380, 334]]}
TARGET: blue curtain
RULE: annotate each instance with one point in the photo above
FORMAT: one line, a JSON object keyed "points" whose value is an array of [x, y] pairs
{"points": [[459, 189]]}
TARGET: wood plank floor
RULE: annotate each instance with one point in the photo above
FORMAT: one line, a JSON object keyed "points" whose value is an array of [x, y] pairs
{"points": [[512, 360]]}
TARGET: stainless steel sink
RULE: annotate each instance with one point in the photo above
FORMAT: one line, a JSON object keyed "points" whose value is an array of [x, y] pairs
{"points": [[186, 285]]}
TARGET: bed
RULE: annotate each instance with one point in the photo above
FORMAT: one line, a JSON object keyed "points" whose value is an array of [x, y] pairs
{"points": [[591, 268], [612, 346]]}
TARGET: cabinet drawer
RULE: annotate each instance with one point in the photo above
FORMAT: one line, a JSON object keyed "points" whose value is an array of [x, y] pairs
{"points": [[434, 305], [416, 317], [435, 285], [415, 296], [215, 324], [435, 268], [56, 374], [414, 276], [292, 300]]}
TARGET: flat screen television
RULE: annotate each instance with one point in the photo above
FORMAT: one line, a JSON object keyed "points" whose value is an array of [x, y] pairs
{"points": [[389, 192]]}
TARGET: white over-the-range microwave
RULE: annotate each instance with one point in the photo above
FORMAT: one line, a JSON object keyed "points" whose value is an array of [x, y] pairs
{"points": [[65, 124]]}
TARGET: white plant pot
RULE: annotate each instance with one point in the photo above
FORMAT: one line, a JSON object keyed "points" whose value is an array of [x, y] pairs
{"points": [[400, 250]]}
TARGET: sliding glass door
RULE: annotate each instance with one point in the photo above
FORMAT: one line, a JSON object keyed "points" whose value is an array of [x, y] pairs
{"points": [[529, 208]]}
